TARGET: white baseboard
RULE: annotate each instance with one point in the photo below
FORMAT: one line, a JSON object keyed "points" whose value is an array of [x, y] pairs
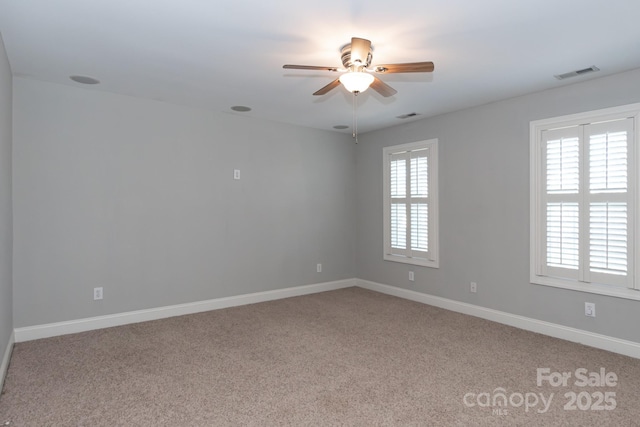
{"points": [[604, 342], [616, 345], [81, 325], [4, 366]]}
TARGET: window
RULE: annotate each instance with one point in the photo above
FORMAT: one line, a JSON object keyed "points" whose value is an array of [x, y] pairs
{"points": [[583, 201], [411, 203]]}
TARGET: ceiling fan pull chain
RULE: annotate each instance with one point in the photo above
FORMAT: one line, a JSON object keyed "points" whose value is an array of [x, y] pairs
{"points": [[355, 116]]}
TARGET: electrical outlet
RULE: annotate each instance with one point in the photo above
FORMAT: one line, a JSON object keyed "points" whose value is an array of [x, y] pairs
{"points": [[590, 309], [236, 174], [97, 293], [319, 268], [473, 287], [411, 276]]}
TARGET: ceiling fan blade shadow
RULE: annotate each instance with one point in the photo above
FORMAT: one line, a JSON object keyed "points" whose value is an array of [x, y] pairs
{"points": [[409, 67], [309, 67], [328, 87], [360, 50], [382, 88]]}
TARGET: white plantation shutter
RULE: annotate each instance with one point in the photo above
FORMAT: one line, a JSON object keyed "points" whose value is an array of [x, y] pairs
{"points": [[398, 192], [609, 199], [410, 198], [561, 201], [420, 201], [583, 196]]}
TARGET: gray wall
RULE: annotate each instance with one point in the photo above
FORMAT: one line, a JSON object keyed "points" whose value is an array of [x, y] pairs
{"points": [[6, 210], [138, 196], [484, 208]]}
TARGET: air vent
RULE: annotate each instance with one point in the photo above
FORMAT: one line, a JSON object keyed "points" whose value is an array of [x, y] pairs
{"points": [[406, 116], [577, 73]]}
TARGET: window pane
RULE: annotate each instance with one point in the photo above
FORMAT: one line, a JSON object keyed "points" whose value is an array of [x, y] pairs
{"points": [[562, 235], [608, 162], [398, 226], [419, 177], [420, 227], [608, 238], [398, 178], [563, 157]]}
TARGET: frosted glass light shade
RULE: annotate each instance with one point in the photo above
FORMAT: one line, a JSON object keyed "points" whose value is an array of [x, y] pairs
{"points": [[356, 81]]}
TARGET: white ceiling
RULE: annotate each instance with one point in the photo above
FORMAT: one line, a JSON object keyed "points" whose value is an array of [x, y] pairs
{"points": [[215, 54]]}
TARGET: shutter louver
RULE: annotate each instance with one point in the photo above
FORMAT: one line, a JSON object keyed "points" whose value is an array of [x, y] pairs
{"points": [[420, 227], [563, 162], [608, 163], [608, 238], [398, 226], [563, 235], [398, 178], [419, 176]]}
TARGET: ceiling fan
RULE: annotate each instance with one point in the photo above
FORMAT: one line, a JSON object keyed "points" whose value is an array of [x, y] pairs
{"points": [[356, 58]]}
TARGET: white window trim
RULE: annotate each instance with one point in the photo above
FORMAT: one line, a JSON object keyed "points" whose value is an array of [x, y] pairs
{"points": [[433, 254], [536, 127]]}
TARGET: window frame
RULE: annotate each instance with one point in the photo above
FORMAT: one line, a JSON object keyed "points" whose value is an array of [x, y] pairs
{"points": [[538, 222], [432, 254]]}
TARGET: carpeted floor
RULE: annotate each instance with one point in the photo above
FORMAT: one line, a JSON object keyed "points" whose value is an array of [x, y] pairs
{"points": [[346, 357]]}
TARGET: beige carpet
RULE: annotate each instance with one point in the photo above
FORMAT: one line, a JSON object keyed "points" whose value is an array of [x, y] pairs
{"points": [[347, 357]]}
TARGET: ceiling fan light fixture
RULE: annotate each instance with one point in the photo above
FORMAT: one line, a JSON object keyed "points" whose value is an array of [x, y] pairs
{"points": [[356, 81]]}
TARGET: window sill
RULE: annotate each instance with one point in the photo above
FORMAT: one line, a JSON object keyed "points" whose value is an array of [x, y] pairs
{"points": [[592, 288], [413, 261]]}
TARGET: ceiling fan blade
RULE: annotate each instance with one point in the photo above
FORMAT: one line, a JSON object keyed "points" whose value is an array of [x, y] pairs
{"points": [[382, 88], [328, 87], [360, 50], [410, 67], [309, 67]]}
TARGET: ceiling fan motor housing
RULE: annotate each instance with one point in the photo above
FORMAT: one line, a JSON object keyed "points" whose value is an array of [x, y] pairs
{"points": [[346, 57]]}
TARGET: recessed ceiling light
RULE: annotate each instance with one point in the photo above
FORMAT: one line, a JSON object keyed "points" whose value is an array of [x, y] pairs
{"points": [[340, 127], [406, 116], [240, 108], [85, 80]]}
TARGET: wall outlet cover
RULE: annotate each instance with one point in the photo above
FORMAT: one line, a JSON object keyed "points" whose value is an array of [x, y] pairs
{"points": [[590, 309]]}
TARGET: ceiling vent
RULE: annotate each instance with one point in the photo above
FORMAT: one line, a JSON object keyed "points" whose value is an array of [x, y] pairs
{"points": [[406, 116], [577, 73]]}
